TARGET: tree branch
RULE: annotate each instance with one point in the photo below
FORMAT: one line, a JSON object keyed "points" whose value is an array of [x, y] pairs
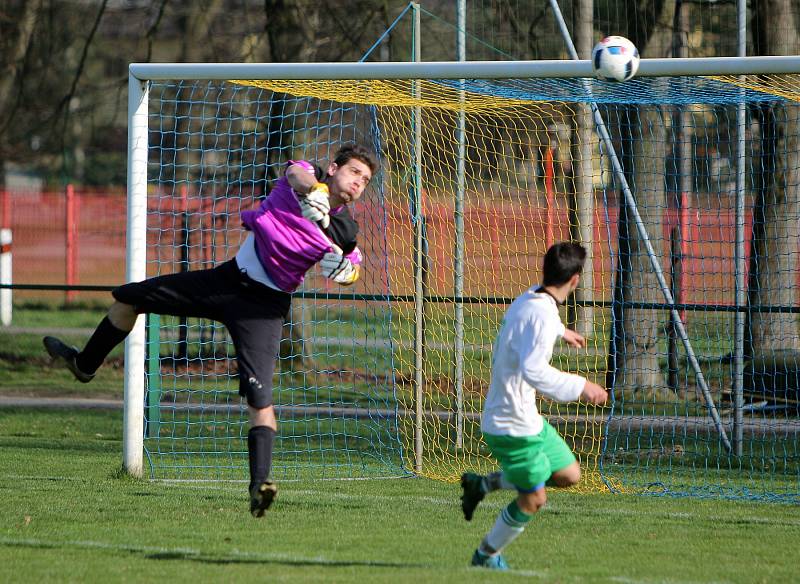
{"points": [[151, 32], [78, 73]]}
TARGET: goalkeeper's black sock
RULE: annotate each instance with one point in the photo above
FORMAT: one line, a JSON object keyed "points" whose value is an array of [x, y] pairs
{"points": [[105, 337], [259, 450]]}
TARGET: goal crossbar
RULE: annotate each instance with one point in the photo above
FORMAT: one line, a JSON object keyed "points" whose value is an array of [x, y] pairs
{"points": [[459, 70]]}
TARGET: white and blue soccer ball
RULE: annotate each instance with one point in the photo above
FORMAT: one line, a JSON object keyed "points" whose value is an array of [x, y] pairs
{"points": [[615, 58]]}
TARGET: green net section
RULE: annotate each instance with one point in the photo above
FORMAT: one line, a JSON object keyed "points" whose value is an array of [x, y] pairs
{"points": [[215, 151]]}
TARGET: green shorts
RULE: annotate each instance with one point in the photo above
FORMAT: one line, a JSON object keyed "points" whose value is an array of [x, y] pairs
{"points": [[528, 461]]}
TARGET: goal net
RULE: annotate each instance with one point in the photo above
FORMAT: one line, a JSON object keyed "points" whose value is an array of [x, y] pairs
{"points": [[478, 177]]}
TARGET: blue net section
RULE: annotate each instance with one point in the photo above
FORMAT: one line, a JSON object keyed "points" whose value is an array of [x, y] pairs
{"points": [[663, 91], [216, 150]]}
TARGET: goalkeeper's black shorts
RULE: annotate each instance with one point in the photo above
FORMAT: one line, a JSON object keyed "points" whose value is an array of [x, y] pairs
{"points": [[252, 312]]}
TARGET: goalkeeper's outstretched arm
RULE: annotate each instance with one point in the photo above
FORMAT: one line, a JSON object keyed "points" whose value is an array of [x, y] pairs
{"points": [[301, 177], [313, 196]]}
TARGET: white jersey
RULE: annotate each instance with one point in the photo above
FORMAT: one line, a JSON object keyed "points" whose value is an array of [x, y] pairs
{"points": [[521, 367]]}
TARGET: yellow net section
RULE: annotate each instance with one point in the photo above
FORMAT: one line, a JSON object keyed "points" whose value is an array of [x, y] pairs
{"points": [[391, 93], [518, 198], [785, 86]]}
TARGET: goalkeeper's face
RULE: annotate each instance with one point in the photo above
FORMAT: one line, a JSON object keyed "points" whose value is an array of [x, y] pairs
{"points": [[347, 182]]}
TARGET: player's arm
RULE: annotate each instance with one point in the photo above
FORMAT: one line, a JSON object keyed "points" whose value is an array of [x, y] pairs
{"points": [[550, 381], [574, 339], [340, 267], [593, 393], [533, 342], [562, 386], [313, 196], [301, 177]]}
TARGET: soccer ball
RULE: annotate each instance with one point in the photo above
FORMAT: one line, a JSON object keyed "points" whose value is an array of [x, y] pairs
{"points": [[615, 58]]}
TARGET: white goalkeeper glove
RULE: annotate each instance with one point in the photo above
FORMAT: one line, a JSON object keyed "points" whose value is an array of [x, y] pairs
{"points": [[338, 268], [316, 205]]}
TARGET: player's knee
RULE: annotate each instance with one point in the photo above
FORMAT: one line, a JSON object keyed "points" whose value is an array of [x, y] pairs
{"points": [[573, 477], [262, 417], [530, 503], [566, 477], [122, 316]]}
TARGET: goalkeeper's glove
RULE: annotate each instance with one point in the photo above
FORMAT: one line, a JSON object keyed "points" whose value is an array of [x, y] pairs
{"points": [[315, 206], [338, 268]]}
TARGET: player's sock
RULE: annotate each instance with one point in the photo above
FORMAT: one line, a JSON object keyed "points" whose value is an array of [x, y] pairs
{"points": [[510, 523], [259, 451], [105, 337], [495, 481]]}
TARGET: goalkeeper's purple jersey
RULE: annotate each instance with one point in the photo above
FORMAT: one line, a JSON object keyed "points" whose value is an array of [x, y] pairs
{"points": [[288, 244]]}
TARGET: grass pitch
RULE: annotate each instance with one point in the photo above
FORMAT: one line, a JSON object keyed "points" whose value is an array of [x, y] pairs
{"points": [[68, 515]]}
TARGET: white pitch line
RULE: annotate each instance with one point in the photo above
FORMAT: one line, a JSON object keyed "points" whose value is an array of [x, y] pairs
{"points": [[529, 573], [497, 502], [193, 553], [330, 480], [684, 515]]}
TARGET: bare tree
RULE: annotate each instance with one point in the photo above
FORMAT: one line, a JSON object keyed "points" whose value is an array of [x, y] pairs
{"points": [[46, 51], [12, 62], [15, 50], [293, 34]]}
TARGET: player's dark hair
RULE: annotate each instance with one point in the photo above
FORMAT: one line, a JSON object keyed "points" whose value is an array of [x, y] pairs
{"points": [[351, 150], [562, 261]]}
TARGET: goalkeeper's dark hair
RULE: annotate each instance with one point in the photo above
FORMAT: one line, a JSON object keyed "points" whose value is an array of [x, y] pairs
{"points": [[562, 261], [352, 150]]}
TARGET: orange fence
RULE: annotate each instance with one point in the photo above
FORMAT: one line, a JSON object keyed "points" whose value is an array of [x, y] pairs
{"points": [[77, 237], [69, 237]]}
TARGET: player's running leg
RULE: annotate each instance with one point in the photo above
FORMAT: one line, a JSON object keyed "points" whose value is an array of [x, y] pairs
{"points": [[260, 439], [509, 525], [111, 331], [180, 294], [257, 342]]}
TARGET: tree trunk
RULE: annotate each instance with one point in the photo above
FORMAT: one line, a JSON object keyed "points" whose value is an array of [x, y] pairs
{"points": [[633, 358], [637, 358], [195, 25], [16, 54], [776, 212], [682, 187]]}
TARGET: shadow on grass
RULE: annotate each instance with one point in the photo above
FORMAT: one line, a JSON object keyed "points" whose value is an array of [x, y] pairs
{"points": [[191, 555], [285, 561]]}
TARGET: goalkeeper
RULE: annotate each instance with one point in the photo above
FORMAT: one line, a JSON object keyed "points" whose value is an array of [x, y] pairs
{"points": [[530, 452], [303, 221]]}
